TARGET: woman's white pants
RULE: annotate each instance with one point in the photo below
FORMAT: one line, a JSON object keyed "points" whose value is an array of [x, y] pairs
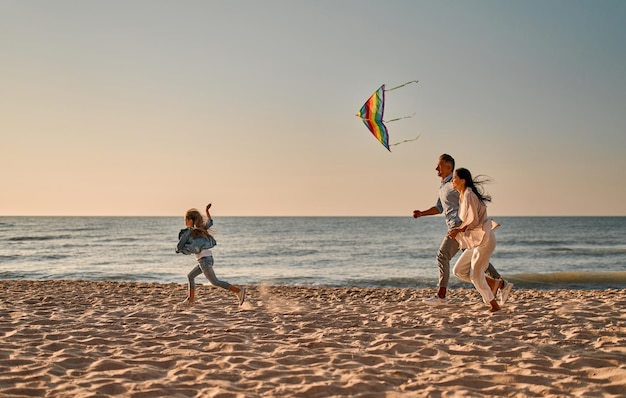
{"points": [[473, 263]]}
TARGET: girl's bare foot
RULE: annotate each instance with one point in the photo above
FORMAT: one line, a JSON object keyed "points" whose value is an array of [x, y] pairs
{"points": [[241, 295], [188, 302]]}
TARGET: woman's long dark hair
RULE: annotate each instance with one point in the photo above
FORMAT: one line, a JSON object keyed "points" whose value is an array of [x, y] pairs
{"points": [[474, 183]]}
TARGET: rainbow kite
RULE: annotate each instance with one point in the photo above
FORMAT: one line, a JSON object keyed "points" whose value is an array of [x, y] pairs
{"points": [[371, 114]]}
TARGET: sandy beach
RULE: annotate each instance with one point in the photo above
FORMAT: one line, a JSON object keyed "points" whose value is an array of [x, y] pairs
{"points": [[98, 339]]}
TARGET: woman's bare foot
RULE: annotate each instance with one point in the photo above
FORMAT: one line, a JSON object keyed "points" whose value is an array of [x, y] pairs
{"points": [[494, 306], [494, 285]]}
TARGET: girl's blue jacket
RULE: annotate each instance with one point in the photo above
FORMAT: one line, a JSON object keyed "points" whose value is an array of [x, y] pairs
{"points": [[187, 244]]}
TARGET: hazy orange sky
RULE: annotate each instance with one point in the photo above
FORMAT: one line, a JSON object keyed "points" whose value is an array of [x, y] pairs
{"points": [[153, 107]]}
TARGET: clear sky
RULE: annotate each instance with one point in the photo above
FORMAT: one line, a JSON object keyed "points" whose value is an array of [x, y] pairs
{"points": [[153, 107]]}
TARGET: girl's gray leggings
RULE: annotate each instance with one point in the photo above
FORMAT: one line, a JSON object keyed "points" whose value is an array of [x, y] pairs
{"points": [[205, 266]]}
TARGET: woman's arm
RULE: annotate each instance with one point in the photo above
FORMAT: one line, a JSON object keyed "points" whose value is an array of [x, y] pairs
{"points": [[454, 232], [467, 212]]}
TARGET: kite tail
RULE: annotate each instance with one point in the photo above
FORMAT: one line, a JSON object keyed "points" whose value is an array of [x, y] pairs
{"points": [[402, 142], [402, 85], [404, 117], [399, 118]]}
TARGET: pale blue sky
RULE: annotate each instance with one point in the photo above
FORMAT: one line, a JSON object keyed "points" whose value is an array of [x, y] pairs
{"points": [[152, 107]]}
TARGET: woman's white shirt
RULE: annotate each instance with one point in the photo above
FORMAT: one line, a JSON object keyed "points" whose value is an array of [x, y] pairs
{"points": [[473, 214]]}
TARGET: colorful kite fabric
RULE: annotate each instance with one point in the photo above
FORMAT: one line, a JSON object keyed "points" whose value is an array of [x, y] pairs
{"points": [[371, 114]]}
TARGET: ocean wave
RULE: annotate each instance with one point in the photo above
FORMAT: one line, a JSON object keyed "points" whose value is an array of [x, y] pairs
{"points": [[572, 253], [599, 251], [580, 280], [119, 239], [20, 275], [390, 282], [57, 256], [531, 242], [38, 238]]}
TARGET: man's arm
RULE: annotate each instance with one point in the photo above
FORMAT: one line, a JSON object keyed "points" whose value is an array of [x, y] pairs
{"points": [[430, 212]]}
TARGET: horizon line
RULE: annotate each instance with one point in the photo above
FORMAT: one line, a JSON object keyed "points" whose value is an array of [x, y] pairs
{"points": [[293, 216]]}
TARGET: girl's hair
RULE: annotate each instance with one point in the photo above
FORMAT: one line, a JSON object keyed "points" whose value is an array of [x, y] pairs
{"points": [[474, 183], [199, 225]]}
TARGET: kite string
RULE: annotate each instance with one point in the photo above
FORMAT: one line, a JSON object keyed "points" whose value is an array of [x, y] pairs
{"points": [[402, 85]]}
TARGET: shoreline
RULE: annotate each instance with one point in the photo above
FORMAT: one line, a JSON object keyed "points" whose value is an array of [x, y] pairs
{"points": [[551, 281], [131, 339]]}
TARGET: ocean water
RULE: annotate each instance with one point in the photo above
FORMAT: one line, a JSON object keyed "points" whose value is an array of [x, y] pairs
{"points": [[532, 252]]}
